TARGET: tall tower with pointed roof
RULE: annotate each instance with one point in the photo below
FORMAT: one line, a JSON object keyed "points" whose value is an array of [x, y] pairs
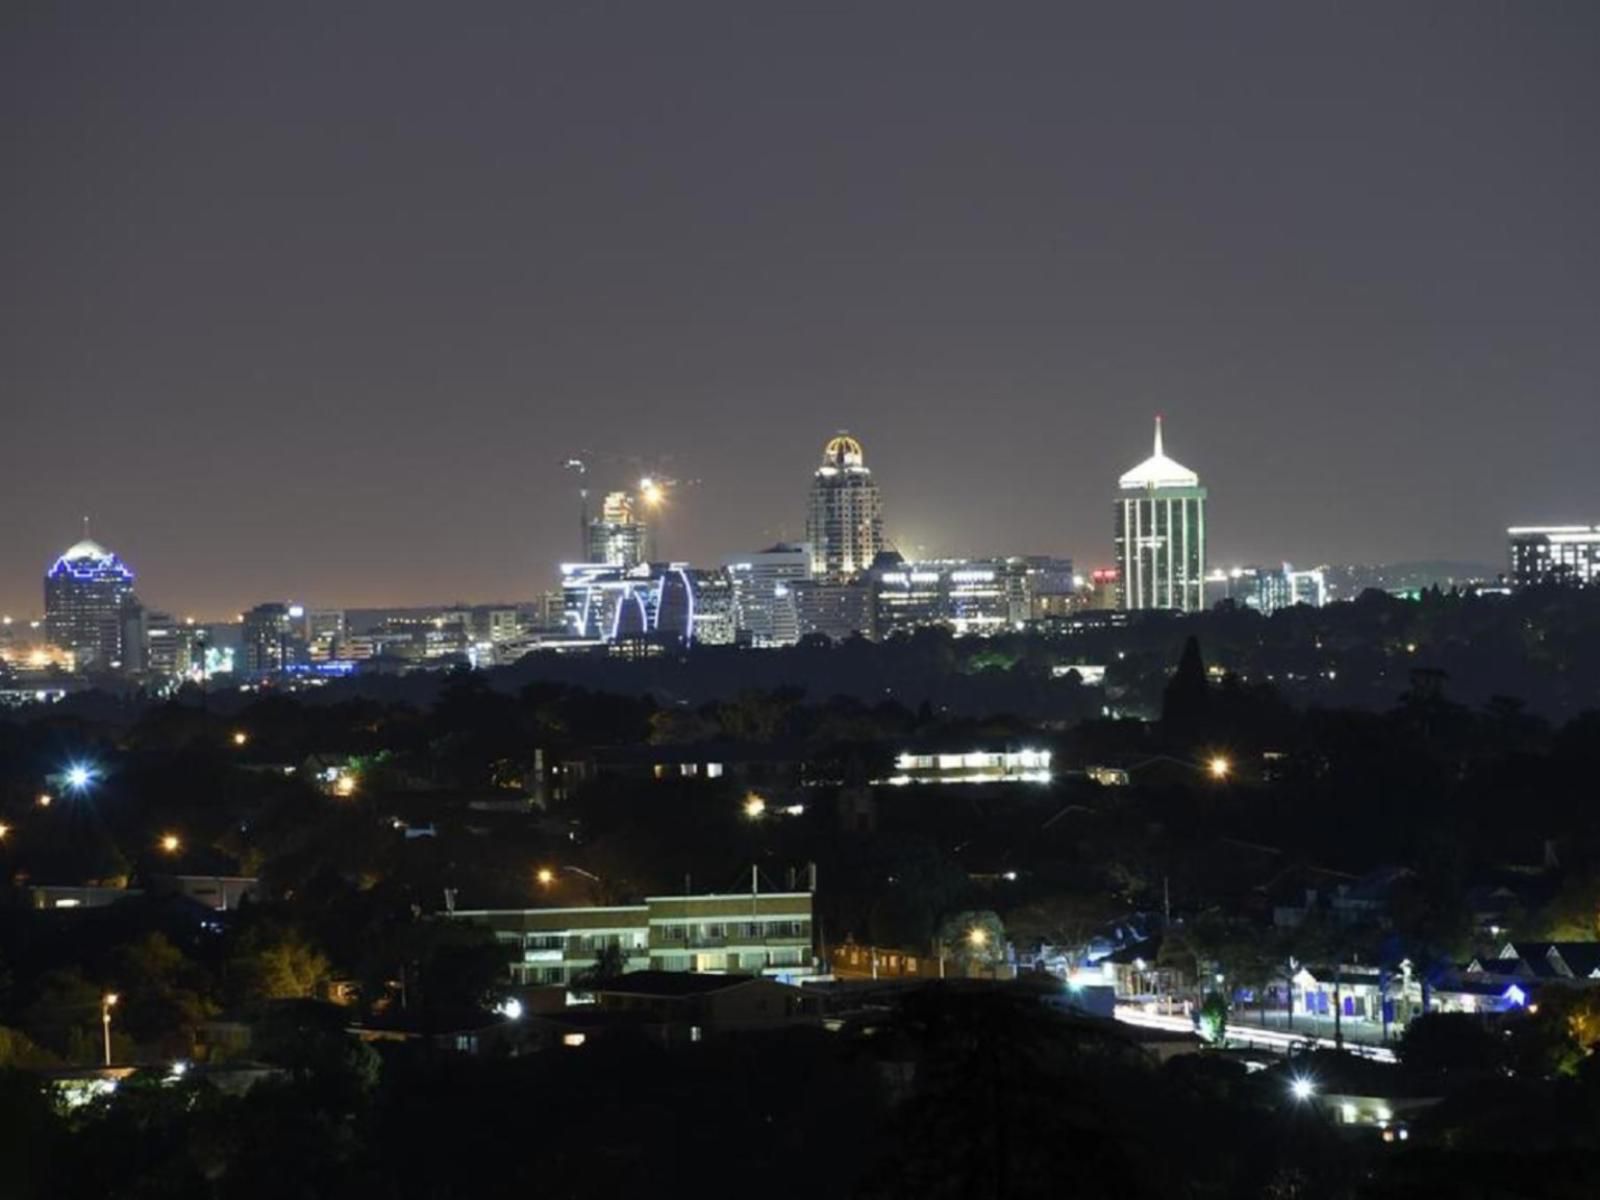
{"points": [[1161, 534]]}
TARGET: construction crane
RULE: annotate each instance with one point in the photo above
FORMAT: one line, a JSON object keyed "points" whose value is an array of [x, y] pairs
{"points": [[652, 491]]}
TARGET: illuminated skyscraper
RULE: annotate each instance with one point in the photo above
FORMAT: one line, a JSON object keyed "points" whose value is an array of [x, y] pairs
{"points": [[619, 536], [87, 596], [1161, 535], [763, 596], [844, 522]]}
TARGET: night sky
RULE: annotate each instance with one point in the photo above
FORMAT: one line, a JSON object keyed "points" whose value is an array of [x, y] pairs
{"points": [[312, 300]]}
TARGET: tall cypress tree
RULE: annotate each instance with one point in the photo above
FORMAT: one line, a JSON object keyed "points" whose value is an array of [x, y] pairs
{"points": [[1184, 703]]}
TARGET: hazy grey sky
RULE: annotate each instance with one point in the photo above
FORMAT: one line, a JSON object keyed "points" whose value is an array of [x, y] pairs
{"points": [[312, 300]]}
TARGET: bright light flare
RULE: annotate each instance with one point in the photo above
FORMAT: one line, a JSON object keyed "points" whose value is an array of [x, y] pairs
{"points": [[45, 800], [755, 807], [978, 937], [652, 492], [171, 843], [546, 877], [1302, 1088], [79, 776], [1220, 767], [241, 738]]}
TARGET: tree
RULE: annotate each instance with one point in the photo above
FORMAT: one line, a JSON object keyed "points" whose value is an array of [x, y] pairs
{"points": [[1212, 1018], [164, 995], [275, 963], [1184, 702], [1450, 1042], [975, 941]]}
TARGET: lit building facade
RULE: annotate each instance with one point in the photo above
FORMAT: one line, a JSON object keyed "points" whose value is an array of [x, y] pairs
{"points": [[974, 596], [844, 521], [1267, 589], [763, 595], [88, 593], [619, 536], [604, 603], [1554, 554], [767, 933], [837, 609], [1160, 533], [272, 638]]}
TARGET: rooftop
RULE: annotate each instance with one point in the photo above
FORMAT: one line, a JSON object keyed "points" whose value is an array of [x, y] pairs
{"points": [[1159, 471]]}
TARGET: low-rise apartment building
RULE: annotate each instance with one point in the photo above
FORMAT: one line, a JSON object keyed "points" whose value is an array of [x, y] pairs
{"points": [[767, 933]]}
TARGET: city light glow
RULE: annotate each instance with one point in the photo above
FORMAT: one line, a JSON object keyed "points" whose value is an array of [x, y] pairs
{"points": [[171, 843], [1302, 1088], [1219, 767], [79, 776], [754, 807], [546, 877]]}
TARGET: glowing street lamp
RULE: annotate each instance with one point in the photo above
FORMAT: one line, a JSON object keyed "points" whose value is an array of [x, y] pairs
{"points": [[80, 776], [171, 843], [1302, 1088], [45, 799], [4, 830], [107, 1003], [546, 877], [978, 938], [754, 807], [651, 492], [1219, 767], [241, 738]]}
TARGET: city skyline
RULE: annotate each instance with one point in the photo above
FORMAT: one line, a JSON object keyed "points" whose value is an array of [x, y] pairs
{"points": [[662, 502], [338, 338]]}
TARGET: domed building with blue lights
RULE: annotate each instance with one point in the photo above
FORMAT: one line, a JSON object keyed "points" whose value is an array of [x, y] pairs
{"points": [[88, 596]]}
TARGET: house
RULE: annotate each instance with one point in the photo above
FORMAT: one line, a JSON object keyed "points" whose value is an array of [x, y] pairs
{"points": [[466, 1031], [686, 1006], [1482, 992], [1576, 963], [1355, 993], [1135, 971]]}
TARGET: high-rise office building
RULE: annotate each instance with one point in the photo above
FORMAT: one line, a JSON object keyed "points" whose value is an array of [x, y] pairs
{"points": [[1554, 554], [272, 638], [619, 536], [844, 522], [1267, 589], [87, 596], [764, 611], [1161, 535]]}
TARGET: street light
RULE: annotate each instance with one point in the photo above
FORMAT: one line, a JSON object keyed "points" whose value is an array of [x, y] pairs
{"points": [[1219, 767], [240, 737], [44, 799], [979, 938], [171, 843], [1302, 1088], [754, 807], [107, 1003], [79, 776], [546, 876]]}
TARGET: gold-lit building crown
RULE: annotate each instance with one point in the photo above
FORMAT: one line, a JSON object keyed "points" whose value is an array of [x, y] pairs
{"points": [[842, 451]]}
